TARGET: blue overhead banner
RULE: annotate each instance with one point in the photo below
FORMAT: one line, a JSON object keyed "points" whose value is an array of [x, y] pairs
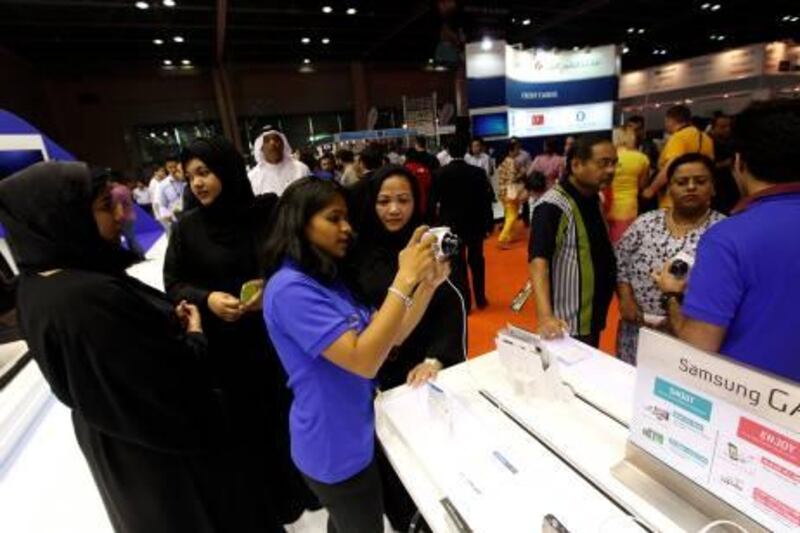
{"points": [[521, 94], [11, 124]]}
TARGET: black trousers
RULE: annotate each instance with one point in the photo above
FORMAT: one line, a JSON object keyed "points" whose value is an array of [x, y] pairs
{"points": [[354, 505], [145, 490], [593, 339], [477, 267]]}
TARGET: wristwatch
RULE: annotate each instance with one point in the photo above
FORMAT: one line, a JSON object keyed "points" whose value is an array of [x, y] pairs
{"points": [[667, 296]]}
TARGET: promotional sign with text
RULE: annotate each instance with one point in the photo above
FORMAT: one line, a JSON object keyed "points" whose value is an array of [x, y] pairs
{"points": [[544, 92], [556, 120], [730, 429]]}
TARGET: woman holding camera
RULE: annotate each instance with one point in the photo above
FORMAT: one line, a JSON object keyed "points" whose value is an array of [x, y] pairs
{"points": [[391, 215], [655, 238], [332, 346]]}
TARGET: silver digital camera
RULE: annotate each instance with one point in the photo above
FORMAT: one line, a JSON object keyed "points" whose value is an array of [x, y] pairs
{"points": [[446, 244]]}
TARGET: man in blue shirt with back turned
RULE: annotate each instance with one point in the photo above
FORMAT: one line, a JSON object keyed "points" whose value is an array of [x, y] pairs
{"points": [[743, 294]]}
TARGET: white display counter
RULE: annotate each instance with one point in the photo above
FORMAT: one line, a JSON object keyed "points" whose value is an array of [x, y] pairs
{"points": [[562, 453]]}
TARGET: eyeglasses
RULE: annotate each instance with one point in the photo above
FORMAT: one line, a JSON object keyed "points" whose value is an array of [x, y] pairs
{"points": [[606, 162]]}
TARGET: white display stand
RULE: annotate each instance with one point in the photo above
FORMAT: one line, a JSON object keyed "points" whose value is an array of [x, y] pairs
{"points": [[564, 452], [574, 459], [723, 436]]}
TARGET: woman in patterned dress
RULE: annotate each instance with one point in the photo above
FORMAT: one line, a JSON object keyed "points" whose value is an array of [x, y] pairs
{"points": [[656, 237]]}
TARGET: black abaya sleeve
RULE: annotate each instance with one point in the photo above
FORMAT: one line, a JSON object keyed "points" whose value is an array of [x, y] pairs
{"points": [[176, 269], [124, 364], [443, 325]]}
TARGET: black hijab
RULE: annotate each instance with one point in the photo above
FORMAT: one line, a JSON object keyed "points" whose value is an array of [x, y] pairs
{"points": [[232, 209], [47, 212], [373, 233], [222, 158], [372, 265]]}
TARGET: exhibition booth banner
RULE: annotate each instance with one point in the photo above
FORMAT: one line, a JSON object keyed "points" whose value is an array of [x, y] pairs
{"points": [[730, 65], [732, 430], [541, 92]]}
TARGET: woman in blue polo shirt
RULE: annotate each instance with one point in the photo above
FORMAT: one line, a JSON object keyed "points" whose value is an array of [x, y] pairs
{"points": [[333, 346]]}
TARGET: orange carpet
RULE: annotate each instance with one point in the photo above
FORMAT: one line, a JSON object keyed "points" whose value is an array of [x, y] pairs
{"points": [[506, 274]]}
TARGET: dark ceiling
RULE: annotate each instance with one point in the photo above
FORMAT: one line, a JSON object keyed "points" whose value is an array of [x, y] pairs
{"points": [[107, 33]]}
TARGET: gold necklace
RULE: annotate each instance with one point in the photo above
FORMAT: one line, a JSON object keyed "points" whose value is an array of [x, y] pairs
{"points": [[684, 229]]}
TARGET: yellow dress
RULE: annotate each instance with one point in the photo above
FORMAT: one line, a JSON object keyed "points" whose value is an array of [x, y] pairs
{"points": [[625, 187]]}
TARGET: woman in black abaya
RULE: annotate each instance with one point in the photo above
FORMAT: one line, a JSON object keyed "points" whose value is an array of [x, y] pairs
{"points": [[212, 253], [130, 366]]}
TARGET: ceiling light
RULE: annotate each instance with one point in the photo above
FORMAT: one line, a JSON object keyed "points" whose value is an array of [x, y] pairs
{"points": [[526, 22], [305, 40], [351, 11], [486, 44], [142, 5], [185, 62], [625, 49], [158, 42], [167, 63], [325, 40], [795, 19], [169, 3], [716, 7], [306, 61], [327, 9], [430, 61], [178, 39], [640, 31], [705, 6], [631, 30]]}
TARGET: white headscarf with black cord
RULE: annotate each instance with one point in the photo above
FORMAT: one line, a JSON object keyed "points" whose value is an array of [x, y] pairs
{"points": [[268, 177]]}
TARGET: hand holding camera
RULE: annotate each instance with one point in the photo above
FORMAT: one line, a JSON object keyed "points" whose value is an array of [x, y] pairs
{"points": [[673, 276], [416, 261]]}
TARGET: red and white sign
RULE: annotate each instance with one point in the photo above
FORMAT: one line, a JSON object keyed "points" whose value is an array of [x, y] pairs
{"points": [[771, 441], [560, 120], [775, 505]]}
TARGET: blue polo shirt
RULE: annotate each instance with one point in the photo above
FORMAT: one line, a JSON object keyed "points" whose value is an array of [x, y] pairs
{"points": [[331, 421], [746, 279]]}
